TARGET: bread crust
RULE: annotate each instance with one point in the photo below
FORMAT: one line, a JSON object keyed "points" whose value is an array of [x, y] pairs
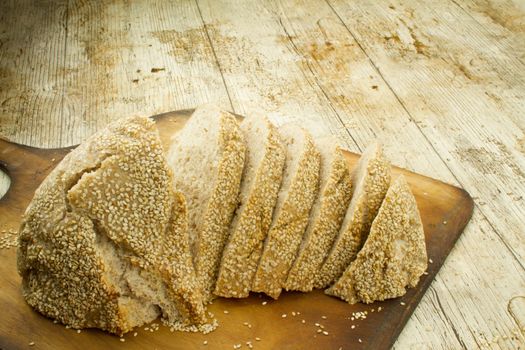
{"points": [[334, 199], [244, 248], [106, 208], [289, 224], [394, 255], [374, 182]]}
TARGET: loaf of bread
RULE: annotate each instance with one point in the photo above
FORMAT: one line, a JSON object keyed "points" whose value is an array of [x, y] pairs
{"points": [[393, 257], [371, 179], [207, 159], [326, 218], [119, 233], [263, 173], [104, 242], [296, 196]]}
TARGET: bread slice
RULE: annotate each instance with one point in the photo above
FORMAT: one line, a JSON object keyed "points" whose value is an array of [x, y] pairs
{"points": [[93, 239], [371, 180], [296, 196], [261, 180], [326, 218], [393, 257], [207, 158]]}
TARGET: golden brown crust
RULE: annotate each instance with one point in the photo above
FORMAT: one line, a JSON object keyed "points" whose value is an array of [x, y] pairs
{"points": [[113, 192], [363, 209], [394, 255], [242, 253], [222, 204], [285, 235], [334, 202]]}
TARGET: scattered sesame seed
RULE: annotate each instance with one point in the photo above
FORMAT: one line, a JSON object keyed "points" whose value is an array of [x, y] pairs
{"points": [[325, 332], [122, 340], [323, 317], [425, 273], [402, 303], [430, 261], [205, 342], [316, 324], [293, 313], [319, 331], [257, 338], [32, 343], [283, 315], [303, 321], [298, 313], [360, 340], [264, 302], [444, 222], [135, 334], [379, 309], [353, 326], [245, 323], [226, 311], [78, 331]]}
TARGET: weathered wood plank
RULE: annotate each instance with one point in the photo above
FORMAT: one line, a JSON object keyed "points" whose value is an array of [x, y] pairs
{"points": [[262, 74], [32, 40], [77, 67], [454, 115]]}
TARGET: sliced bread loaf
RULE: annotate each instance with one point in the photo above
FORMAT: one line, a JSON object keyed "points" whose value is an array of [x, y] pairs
{"points": [[261, 180], [207, 159], [296, 196], [326, 218], [93, 250], [394, 255], [371, 179]]}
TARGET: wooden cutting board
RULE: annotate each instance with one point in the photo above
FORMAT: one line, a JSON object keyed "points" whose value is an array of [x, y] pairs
{"points": [[288, 323]]}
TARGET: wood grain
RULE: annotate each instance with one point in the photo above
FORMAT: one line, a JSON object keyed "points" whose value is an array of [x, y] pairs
{"points": [[446, 116], [445, 212]]}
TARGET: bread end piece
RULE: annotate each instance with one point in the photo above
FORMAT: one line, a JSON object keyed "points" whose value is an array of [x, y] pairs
{"points": [[394, 255]]}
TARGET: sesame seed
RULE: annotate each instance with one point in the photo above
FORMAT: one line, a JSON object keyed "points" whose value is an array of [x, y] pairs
{"points": [[135, 334], [257, 338], [303, 321], [122, 340], [402, 303], [205, 342], [226, 311], [360, 340], [325, 332], [444, 222], [316, 324], [319, 331], [283, 315], [78, 331], [32, 343], [323, 317], [425, 273], [293, 313], [264, 302], [430, 261], [353, 326], [245, 323]]}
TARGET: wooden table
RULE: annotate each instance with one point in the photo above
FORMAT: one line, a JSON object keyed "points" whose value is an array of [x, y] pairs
{"points": [[442, 83]]}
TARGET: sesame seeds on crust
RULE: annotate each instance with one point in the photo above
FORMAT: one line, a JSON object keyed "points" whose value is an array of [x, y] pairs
{"points": [[242, 252], [394, 255], [109, 200], [323, 228], [285, 235], [371, 181], [222, 205]]}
